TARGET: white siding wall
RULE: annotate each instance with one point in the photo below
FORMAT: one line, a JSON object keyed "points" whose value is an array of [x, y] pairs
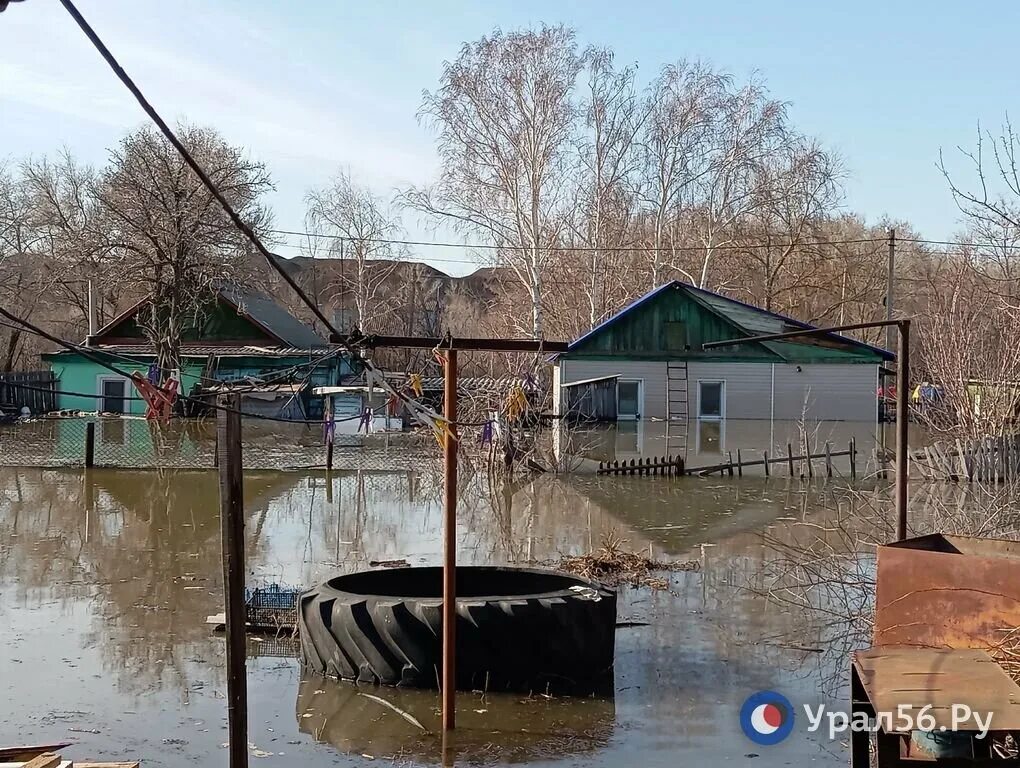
{"points": [[651, 373], [836, 392], [748, 387]]}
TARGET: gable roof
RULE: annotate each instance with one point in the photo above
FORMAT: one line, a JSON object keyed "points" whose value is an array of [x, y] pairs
{"points": [[254, 306], [271, 317], [747, 318]]}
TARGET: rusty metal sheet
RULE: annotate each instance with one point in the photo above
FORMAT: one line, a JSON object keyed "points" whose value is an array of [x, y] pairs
{"points": [[947, 592], [913, 678]]}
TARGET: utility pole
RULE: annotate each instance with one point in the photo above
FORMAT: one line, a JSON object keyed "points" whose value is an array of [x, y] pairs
{"points": [[449, 691], [228, 433], [890, 330]]}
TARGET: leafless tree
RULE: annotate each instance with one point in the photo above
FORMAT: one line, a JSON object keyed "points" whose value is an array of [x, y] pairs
{"points": [[168, 236], [607, 159], [361, 226], [796, 191], [747, 128], [504, 116], [682, 105]]}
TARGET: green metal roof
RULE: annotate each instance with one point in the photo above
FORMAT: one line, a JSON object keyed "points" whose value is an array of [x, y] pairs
{"points": [[638, 331]]}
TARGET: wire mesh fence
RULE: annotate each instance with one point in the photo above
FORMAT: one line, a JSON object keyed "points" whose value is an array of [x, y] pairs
{"points": [[135, 443]]}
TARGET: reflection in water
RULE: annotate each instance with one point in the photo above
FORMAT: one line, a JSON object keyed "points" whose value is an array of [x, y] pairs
{"points": [[494, 728], [106, 580]]}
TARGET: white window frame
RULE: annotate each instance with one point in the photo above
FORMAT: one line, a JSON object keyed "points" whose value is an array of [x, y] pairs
{"points": [[722, 400], [640, 398], [101, 379]]}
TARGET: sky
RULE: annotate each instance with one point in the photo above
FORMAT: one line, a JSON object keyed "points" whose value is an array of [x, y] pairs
{"points": [[314, 86]]}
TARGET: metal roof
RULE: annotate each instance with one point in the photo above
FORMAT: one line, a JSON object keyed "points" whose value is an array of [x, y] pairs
{"points": [[753, 320], [265, 312], [205, 350]]}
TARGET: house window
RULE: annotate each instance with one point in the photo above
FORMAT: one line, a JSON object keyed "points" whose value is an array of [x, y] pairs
{"points": [[113, 392], [711, 399], [628, 400], [674, 336]]}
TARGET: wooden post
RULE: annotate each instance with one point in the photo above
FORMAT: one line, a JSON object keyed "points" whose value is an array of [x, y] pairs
{"points": [[789, 456], [232, 541], [330, 426], [449, 691], [902, 422], [216, 445], [729, 455], [90, 444], [828, 460], [853, 459], [740, 465], [765, 459]]}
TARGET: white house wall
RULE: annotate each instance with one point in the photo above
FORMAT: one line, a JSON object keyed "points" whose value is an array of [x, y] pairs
{"points": [[748, 387], [652, 374], [830, 392], [836, 392]]}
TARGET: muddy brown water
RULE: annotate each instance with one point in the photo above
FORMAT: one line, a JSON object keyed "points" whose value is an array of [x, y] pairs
{"points": [[106, 583]]}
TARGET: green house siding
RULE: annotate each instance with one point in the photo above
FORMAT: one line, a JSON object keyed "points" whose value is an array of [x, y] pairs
{"points": [[78, 374], [673, 322], [216, 322]]}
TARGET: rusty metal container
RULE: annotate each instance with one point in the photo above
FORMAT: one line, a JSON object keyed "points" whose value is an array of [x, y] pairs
{"points": [[947, 591]]}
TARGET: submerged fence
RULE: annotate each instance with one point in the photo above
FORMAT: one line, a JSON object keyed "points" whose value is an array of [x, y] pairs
{"points": [[136, 443], [35, 390], [987, 459]]}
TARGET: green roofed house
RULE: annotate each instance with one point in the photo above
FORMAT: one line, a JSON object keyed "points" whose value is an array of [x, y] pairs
{"points": [[241, 339], [647, 362]]}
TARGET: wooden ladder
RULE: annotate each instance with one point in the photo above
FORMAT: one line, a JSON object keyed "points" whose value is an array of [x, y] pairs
{"points": [[677, 412]]}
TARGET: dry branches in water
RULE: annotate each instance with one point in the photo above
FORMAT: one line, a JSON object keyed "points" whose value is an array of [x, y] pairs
{"points": [[613, 565]]}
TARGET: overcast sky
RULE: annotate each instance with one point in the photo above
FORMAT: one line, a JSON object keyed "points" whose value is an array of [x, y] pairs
{"points": [[312, 86]]}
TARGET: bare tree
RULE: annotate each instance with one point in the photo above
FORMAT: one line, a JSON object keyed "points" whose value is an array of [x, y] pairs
{"points": [[168, 236], [747, 128], [796, 190], [504, 116], [682, 105], [607, 160], [361, 227]]}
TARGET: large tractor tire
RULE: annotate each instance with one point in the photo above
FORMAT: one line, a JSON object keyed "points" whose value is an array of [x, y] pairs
{"points": [[518, 629]]}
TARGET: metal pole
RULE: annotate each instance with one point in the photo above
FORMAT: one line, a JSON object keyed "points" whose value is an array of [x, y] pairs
{"points": [[450, 545], [90, 444], [902, 423], [890, 337], [232, 539]]}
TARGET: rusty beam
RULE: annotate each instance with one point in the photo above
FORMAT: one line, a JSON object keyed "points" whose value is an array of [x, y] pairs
{"points": [[463, 343]]}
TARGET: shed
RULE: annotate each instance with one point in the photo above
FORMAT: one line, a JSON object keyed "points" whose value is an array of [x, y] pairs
{"points": [[653, 350]]}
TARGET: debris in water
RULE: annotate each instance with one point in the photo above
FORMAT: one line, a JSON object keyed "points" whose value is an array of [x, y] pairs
{"points": [[612, 565]]}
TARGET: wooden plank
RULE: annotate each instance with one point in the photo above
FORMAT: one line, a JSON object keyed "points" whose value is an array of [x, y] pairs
{"points": [[964, 469], [852, 451], [740, 465], [789, 457], [129, 764], [45, 760], [828, 460], [26, 753], [765, 461]]}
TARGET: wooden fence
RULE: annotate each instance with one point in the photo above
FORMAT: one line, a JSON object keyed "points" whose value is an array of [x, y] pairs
{"points": [[802, 465], [985, 460], [36, 390]]}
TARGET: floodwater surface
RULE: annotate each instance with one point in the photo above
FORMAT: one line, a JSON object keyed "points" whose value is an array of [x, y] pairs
{"points": [[107, 580]]}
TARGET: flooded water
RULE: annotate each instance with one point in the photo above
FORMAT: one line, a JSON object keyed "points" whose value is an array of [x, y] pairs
{"points": [[106, 582]]}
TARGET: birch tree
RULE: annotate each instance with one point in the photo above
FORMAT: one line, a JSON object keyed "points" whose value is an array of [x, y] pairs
{"points": [[607, 160], [361, 226], [682, 103], [504, 116]]}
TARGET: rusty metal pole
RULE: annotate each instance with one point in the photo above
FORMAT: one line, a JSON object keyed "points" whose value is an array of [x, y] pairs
{"points": [[228, 430], [449, 691], [902, 424]]}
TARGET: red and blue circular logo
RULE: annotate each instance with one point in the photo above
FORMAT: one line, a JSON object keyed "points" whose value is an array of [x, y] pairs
{"points": [[766, 717]]}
